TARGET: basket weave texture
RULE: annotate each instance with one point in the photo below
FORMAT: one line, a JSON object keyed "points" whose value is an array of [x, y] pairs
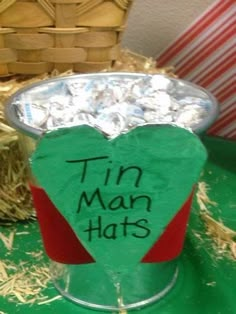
{"points": [[38, 36]]}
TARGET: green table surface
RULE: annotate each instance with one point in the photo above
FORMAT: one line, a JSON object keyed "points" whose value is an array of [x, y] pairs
{"points": [[206, 284]]}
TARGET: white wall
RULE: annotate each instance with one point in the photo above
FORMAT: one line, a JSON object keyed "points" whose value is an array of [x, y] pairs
{"points": [[153, 24]]}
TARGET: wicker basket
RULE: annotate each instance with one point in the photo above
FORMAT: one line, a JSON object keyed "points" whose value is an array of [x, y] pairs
{"points": [[37, 36]]}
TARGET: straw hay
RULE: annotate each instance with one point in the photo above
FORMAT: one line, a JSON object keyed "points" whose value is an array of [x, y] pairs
{"points": [[15, 200], [8, 240], [24, 283], [222, 236]]}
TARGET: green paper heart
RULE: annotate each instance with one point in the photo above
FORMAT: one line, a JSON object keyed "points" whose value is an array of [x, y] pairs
{"points": [[118, 195]]}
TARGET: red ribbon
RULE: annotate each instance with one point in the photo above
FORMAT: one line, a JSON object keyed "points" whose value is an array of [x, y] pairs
{"points": [[62, 245]]}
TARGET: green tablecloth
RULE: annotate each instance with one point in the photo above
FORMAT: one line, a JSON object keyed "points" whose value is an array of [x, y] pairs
{"points": [[206, 284]]}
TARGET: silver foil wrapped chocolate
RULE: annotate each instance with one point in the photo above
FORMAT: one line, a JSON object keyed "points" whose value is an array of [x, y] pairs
{"points": [[114, 103]]}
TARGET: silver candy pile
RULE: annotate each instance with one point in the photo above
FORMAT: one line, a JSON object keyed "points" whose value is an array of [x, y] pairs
{"points": [[113, 104]]}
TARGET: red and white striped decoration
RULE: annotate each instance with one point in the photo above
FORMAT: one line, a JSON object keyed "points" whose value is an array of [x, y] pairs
{"points": [[205, 55]]}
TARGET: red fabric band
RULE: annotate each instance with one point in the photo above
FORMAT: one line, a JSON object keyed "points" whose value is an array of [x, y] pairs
{"points": [[62, 245], [60, 241]]}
